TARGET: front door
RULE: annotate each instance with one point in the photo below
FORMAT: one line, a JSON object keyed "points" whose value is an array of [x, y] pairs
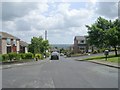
{"points": [[8, 49]]}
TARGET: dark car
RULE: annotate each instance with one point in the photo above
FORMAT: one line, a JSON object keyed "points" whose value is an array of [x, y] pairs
{"points": [[54, 56]]}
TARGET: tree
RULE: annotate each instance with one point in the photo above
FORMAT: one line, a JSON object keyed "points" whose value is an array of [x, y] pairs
{"points": [[62, 50], [97, 33], [45, 46], [116, 23], [104, 33], [113, 34], [38, 45]]}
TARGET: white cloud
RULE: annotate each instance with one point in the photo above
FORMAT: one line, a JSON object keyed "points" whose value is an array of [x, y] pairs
{"points": [[60, 20], [12, 10], [9, 25], [107, 9]]}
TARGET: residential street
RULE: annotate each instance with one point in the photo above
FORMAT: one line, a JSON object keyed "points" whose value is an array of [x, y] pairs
{"points": [[63, 73]]}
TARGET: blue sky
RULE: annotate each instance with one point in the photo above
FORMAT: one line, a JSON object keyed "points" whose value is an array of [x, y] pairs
{"points": [[62, 20]]}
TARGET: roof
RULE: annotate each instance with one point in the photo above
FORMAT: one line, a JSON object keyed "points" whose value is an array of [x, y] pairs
{"points": [[6, 35], [80, 37], [22, 43]]}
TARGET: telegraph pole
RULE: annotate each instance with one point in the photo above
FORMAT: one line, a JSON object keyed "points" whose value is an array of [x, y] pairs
{"points": [[45, 35], [45, 39]]}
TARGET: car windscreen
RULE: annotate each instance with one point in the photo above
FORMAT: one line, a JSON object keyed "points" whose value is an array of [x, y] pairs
{"points": [[54, 53]]}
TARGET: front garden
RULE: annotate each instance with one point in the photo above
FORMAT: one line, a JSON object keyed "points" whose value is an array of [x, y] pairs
{"points": [[21, 57]]}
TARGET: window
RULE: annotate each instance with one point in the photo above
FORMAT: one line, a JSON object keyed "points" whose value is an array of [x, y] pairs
{"points": [[8, 41], [82, 41], [78, 42], [14, 42]]}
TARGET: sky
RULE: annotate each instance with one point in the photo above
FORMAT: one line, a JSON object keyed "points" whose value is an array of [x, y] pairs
{"points": [[63, 20]]}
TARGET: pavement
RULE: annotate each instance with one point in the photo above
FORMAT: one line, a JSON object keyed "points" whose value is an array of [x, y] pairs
{"points": [[102, 62], [7, 66], [63, 73]]}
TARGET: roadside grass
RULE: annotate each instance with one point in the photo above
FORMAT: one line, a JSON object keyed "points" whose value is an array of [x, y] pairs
{"points": [[111, 58], [114, 59]]}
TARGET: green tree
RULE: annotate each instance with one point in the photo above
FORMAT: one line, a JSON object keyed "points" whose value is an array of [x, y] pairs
{"points": [[38, 45], [116, 23], [104, 33], [113, 34], [62, 50], [97, 32]]}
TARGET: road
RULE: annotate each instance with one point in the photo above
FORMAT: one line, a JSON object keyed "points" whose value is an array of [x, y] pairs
{"points": [[63, 73]]}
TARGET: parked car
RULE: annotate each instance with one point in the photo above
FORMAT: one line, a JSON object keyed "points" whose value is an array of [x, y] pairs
{"points": [[54, 56]]}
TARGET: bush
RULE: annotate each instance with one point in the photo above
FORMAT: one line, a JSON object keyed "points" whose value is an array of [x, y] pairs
{"points": [[12, 56], [38, 56], [15, 56], [22, 55], [5, 57], [28, 55], [18, 57]]}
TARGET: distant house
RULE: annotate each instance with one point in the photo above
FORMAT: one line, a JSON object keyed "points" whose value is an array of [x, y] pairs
{"points": [[23, 47], [9, 43], [80, 44]]}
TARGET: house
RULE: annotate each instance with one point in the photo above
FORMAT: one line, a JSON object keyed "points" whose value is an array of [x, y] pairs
{"points": [[9, 43], [80, 44], [23, 47]]}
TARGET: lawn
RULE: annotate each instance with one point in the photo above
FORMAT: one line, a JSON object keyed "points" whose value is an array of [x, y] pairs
{"points": [[111, 58]]}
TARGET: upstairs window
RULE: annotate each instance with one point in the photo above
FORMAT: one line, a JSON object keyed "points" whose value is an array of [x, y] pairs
{"points": [[8, 41], [82, 41], [14, 42]]}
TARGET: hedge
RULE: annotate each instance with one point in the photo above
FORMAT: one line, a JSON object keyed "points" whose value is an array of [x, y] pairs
{"points": [[28, 55], [15, 56], [5, 57]]}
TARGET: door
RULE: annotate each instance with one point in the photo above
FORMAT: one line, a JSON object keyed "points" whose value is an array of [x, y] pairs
{"points": [[8, 49]]}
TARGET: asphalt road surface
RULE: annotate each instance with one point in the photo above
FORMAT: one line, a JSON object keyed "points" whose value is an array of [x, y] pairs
{"points": [[63, 73]]}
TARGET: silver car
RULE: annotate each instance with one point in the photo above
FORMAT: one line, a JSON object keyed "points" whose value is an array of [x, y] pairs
{"points": [[54, 56]]}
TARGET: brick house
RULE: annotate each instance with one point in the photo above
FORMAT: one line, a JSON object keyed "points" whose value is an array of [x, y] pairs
{"points": [[9, 43], [80, 44]]}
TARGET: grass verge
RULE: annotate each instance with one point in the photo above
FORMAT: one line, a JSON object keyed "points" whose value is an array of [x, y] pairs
{"points": [[111, 58]]}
